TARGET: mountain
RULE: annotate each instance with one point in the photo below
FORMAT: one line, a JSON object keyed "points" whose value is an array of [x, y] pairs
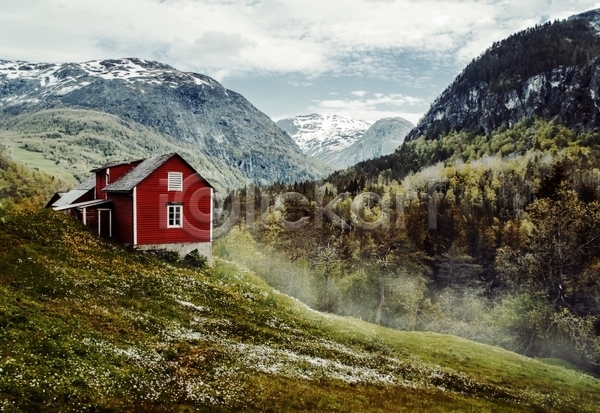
{"points": [[382, 138], [341, 141], [115, 109], [549, 71], [324, 136]]}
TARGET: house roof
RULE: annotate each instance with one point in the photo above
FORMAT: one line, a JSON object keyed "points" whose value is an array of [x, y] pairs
{"points": [[54, 198], [88, 183], [75, 193], [70, 197], [128, 181], [115, 163], [86, 204]]}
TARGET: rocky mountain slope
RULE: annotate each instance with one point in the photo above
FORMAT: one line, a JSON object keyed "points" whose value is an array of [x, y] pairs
{"points": [[549, 71], [382, 138], [324, 136], [342, 141], [186, 109]]}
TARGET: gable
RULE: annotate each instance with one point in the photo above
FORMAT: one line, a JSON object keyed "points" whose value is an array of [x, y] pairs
{"points": [[166, 173], [147, 168]]}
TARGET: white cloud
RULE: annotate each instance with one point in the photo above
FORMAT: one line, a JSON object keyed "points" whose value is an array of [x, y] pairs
{"points": [[406, 43], [283, 36], [371, 109]]}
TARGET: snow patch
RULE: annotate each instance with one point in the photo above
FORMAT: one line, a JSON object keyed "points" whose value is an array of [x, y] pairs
{"points": [[513, 102], [534, 85], [193, 306], [66, 90], [321, 134], [128, 70]]}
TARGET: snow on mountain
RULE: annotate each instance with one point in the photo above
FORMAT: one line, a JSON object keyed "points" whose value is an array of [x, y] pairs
{"points": [[341, 141], [382, 138], [324, 136], [189, 108], [550, 72], [62, 79], [592, 17]]}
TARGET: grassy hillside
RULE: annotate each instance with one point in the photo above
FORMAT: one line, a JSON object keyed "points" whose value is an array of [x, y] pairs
{"points": [[22, 186], [68, 143], [89, 325]]}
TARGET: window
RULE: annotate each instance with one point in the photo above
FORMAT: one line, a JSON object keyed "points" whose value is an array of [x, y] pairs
{"points": [[175, 181], [174, 213]]}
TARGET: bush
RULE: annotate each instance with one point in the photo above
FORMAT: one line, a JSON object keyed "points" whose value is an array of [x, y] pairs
{"points": [[195, 259]]}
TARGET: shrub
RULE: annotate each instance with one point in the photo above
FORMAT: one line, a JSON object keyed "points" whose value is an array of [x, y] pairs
{"points": [[195, 259]]}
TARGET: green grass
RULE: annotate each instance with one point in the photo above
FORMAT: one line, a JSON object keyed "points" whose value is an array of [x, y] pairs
{"points": [[37, 161], [86, 324], [68, 143]]}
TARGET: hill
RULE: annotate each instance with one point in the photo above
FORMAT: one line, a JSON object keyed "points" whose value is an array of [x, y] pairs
{"points": [[23, 187], [127, 108], [68, 143], [89, 325]]}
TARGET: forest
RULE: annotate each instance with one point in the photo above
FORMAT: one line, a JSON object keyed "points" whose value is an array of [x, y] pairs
{"points": [[496, 239], [530, 52]]}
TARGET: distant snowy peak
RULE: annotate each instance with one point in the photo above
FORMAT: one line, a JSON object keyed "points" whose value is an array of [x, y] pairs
{"points": [[323, 135], [60, 79], [341, 141], [382, 138]]}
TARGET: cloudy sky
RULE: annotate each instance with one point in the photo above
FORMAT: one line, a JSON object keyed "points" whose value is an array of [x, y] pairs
{"points": [[361, 58]]}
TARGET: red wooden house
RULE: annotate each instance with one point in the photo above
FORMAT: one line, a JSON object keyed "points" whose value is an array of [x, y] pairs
{"points": [[154, 203]]}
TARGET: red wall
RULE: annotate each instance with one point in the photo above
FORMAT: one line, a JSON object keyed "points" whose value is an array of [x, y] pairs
{"points": [[100, 184], [122, 217], [115, 173], [118, 171], [88, 196], [152, 200]]}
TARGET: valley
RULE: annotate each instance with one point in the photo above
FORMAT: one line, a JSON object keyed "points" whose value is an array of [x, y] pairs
{"points": [[452, 265]]}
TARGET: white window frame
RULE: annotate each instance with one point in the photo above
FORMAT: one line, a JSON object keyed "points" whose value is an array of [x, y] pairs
{"points": [[174, 208], [175, 175]]}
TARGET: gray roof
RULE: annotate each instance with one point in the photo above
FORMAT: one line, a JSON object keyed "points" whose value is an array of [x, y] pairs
{"points": [[115, 163], [86, 204], [70, 197], [77, 192], [138, 174], [88, 183]]}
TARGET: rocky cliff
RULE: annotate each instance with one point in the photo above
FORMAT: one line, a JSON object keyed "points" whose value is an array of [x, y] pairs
{"points": [[549, 71]]}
